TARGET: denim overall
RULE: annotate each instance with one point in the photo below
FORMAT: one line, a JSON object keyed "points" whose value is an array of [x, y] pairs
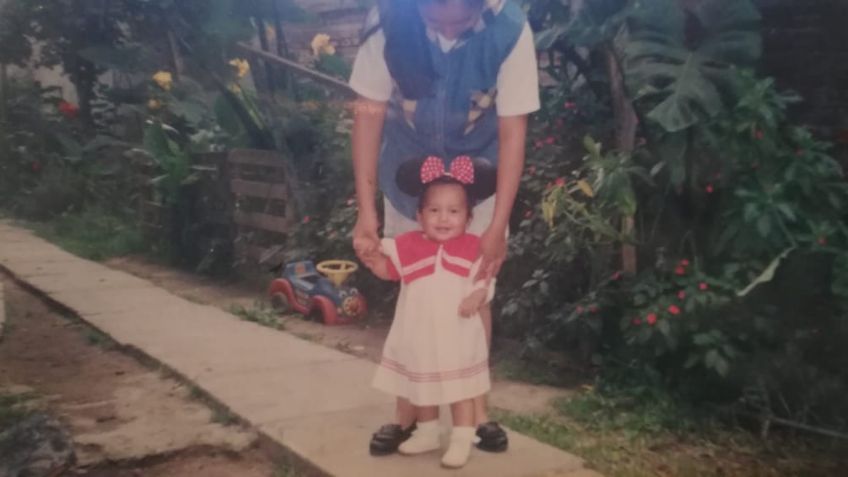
{"points": [[460, 118]]}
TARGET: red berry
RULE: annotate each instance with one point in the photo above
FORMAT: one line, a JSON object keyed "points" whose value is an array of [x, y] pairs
{"points": [[651, 318], [681, 295], [684, 262], [674, 309], [710, 189], [703, 286], [637, 321], [680, 270]]}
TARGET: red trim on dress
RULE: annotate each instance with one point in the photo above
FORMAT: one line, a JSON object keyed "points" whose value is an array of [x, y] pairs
{"points": [[413, 248]]}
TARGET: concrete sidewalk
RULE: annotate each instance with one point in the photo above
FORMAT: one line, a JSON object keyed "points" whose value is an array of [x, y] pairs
{"points": [[315, 401]]}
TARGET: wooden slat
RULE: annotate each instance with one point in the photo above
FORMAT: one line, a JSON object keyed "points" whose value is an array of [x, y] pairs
{"points": [[295, 66], [262, 190], [262, 221]]}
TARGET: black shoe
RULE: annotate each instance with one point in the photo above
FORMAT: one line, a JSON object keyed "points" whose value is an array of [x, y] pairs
{"points": [[386, 440], [492, 437]]}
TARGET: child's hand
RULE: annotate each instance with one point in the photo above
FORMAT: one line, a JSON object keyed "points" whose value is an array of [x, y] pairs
{"points": [[472, 303], [377, 263]]}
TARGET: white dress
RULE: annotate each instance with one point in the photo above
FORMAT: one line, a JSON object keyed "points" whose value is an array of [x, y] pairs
{"points": [[432, 355]]}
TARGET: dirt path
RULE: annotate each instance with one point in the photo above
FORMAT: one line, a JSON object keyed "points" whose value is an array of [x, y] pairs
{"points": [[124, 419]]}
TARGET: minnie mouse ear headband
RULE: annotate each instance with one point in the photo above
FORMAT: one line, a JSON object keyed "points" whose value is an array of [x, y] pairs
{"points": [[477, 175]]}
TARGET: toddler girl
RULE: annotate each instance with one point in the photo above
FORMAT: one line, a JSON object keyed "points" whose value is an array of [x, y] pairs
{"points": [[436, 352]]}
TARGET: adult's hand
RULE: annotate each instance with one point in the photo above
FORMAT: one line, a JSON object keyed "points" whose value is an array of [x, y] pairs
{"points": [[492, 253], [366, 242]]}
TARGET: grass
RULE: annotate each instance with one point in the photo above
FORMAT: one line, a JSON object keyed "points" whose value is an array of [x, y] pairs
{"points": [[259, 313], [13, 408], [92, 233], [223, 417], [627, 434], [96, 338]]}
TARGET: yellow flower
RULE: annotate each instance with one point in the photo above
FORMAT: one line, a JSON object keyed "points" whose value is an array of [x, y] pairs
{"points": [[235, 88], [242, 67], [163, 79], [321, 44], [154, 104]]}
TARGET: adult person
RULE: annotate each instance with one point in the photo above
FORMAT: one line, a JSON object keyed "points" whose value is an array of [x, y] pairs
{"points": [[441, 78]]}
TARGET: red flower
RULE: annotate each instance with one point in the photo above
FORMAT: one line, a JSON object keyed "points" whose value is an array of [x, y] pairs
{"points": [[759, 135], [651, 318], [637, 321], [306, 219], [616, 276], [570, 105], [674, 309], [35, 166], [549, 140], [560, 181], [710, 189], [703, 286], [68, 110], [684, 262], [681, 295], [680, 270], [822, 241]]}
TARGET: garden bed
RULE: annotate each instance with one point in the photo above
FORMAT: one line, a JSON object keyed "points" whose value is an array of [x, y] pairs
{"points": [[123, 419]]}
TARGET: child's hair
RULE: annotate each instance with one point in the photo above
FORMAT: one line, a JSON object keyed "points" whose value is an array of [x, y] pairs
{"points": [[407, 49], [408, 178]]}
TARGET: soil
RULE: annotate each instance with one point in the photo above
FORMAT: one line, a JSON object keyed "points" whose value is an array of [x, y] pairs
{"points": [[124, 418]]}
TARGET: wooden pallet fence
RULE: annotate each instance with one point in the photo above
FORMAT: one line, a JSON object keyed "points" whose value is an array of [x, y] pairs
{"points": [[263, 206]]}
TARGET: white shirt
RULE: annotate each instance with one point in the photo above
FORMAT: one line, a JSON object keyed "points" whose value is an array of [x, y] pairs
{"points": [[517, 83]]}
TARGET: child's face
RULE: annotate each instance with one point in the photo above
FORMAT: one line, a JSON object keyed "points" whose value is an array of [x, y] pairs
{"points": [[449, 18], [444, 214]]}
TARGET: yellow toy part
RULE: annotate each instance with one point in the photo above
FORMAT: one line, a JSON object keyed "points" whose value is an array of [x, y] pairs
{"points": [[337, 270]]}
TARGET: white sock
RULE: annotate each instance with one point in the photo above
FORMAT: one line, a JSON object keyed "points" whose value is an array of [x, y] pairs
{"points": [[425, 438], [461, 441]]}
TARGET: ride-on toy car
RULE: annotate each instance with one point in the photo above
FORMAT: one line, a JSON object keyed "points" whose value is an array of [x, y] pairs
{"points": [[306, 291]]}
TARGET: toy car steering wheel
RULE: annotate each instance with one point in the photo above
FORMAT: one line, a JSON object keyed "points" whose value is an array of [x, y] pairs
{"points": [[337, 270]]}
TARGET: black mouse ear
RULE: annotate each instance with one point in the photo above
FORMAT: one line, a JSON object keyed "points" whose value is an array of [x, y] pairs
{"points": [[485, 179], [408, 177]]}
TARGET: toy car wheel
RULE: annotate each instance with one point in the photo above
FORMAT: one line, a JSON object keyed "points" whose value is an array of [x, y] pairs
{"points": [[281, 295], [280, 302], [325, 309], [354, 306]]}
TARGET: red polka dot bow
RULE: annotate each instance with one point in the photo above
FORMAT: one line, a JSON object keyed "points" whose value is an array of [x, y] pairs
{"points": [[461, 169]]}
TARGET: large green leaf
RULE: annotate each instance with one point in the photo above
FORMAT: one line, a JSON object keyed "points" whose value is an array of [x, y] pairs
{"points": [[681, 83]]}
